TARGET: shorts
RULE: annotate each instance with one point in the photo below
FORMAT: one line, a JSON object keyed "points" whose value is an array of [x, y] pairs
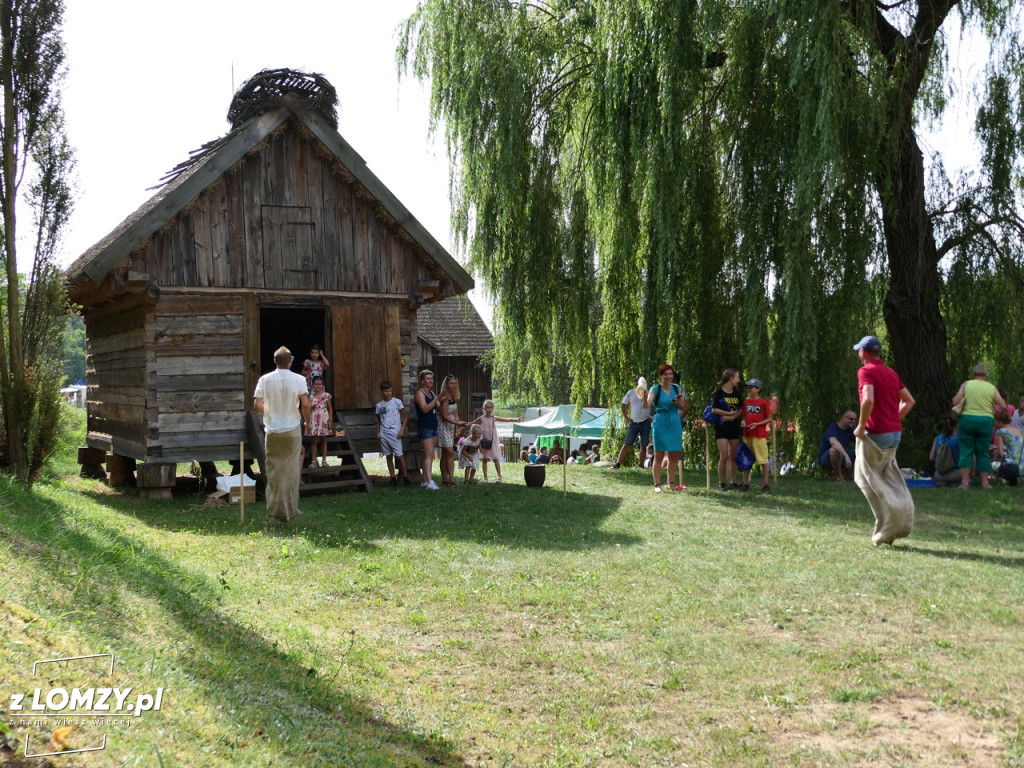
{"points": [[426, 433], [390, 445], [641, 429], [732, 430], [825, 459], [759, 447]]}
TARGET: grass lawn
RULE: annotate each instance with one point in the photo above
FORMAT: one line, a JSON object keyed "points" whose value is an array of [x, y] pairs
{"points": [[500, 625]]}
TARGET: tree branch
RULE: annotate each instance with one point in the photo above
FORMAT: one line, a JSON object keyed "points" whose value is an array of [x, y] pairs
{"points": [[980, 229]]}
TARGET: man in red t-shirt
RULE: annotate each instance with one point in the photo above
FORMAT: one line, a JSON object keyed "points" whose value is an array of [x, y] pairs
{"points": [[884, 402], [755, 430]]}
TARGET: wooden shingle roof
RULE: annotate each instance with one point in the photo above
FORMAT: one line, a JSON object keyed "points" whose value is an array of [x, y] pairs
{"points": [[192, 178], [454, 328]]}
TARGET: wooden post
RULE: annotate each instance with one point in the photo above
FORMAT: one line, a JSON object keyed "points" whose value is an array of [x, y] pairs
{"points": [[773, 409], [120, 469], [565, 470], [156, 480], [775, 455], [241, 482], [92, 460], [707, 454]]}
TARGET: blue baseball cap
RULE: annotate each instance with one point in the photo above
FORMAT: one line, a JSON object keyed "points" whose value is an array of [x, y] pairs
{"points": [[869, 344], [755, 383]]}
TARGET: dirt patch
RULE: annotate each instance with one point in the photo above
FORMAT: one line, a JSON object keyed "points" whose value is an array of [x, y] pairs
{"points": [[912, 730]]}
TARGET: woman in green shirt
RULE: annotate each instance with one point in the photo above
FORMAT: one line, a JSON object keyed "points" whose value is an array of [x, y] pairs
{"points": [[976, 424]]}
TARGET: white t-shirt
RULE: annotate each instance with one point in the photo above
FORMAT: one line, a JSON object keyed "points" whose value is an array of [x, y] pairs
{"points": [[1017, 419], [280, 390], [390, 413], [637, 412]]}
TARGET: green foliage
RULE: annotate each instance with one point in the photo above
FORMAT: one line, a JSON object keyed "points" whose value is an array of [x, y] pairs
{"points": [[73, 354], [33, 312], [725, 185]]}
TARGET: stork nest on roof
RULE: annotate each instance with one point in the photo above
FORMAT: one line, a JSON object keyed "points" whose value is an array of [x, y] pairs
{"points": [[264, 91], [284, 87]]}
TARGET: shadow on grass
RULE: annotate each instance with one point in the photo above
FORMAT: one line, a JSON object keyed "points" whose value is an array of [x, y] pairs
{"points": [[298, 712], [1009, 561], [950, 523], [508, 514]]}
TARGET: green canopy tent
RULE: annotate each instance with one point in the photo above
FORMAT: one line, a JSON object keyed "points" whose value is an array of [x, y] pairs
{"points": [[592, 429], [558, 421]]}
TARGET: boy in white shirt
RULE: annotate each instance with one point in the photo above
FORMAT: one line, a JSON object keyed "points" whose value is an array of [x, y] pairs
{"points": [[391, 421]]}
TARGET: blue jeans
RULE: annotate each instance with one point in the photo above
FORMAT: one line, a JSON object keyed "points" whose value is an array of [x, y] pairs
{"points": [[885, 440], [641, 429]]}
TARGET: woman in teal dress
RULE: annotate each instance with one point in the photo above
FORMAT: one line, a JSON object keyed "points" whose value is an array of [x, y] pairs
{"points": [[668, 403]]}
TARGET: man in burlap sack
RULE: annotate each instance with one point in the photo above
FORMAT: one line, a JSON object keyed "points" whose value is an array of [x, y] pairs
{"points": [[279, 396], [884, 403]]}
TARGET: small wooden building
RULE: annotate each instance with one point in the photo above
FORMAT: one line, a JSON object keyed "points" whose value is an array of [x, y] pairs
{"points": [[275, 234], [455, 339]]}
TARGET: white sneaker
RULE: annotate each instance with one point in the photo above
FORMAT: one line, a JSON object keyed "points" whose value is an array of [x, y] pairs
{"points": [[498, 480], [432, 486]]}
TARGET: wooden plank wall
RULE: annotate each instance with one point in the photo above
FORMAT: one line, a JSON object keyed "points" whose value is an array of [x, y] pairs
{"points": [[244, 231], [116, 380], [473, 378], [197, 345], [367, 350]]}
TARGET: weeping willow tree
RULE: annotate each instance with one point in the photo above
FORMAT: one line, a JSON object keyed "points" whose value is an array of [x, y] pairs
{"points": [[738, 184]]}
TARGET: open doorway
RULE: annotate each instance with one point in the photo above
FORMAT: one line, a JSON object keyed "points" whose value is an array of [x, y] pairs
{"points": [[297, 328]]}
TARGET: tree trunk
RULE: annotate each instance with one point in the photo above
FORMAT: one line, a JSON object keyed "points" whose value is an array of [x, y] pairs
{"points": [[13, 365], [917, 330]]}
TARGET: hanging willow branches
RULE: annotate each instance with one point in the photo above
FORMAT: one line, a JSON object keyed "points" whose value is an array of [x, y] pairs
{"points": [[724, 184]]}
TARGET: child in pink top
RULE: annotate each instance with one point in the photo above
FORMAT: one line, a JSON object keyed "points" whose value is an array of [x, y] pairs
{"points": [[489, 429]]}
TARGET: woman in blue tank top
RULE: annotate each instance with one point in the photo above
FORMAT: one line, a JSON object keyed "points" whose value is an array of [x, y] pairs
{"points": [[426, 426]]}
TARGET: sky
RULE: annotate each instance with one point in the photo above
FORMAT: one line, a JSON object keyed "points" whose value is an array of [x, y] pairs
{"points": [[149, 82]]}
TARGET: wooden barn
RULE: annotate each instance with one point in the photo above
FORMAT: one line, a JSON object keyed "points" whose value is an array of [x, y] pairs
{"points": [[276, 233], [455, 339]]}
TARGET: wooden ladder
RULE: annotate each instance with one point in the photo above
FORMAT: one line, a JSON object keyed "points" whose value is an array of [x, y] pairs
{"points": [[360, 426], [349, 473]]}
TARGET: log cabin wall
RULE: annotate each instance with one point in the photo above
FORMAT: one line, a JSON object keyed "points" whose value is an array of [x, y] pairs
{"points": [[474, 379], [116, 380], [200, 383]]}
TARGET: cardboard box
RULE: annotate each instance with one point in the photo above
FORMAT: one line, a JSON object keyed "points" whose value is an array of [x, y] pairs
{"points": [[234, 496]]}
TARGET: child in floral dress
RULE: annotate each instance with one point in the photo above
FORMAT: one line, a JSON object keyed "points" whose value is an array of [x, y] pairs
{"points": [[315, 365], [469, 453], [320, 421]]}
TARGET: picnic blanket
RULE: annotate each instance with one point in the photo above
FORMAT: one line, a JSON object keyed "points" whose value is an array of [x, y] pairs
{"points": [[879, 478]]}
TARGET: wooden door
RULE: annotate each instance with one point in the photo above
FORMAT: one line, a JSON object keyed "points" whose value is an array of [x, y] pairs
{"points": [[366, 351]]}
